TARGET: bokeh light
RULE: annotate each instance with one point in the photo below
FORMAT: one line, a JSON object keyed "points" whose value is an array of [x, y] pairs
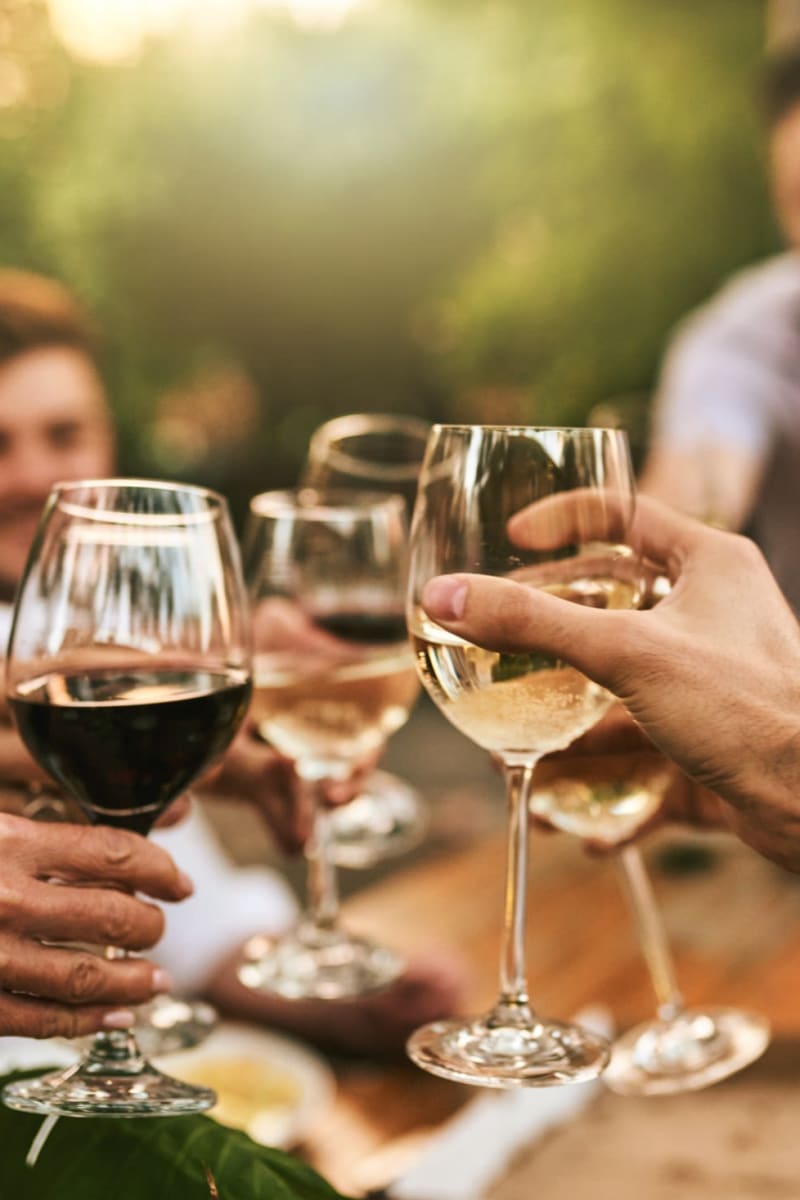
{"points": [[111, 31]]}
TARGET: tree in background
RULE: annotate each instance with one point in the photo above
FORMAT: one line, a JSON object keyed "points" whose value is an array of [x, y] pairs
{"points": [[469, 211]]}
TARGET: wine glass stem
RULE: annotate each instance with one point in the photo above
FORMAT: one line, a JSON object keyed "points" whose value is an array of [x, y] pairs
{"points": [[116, 1050], [513, 1005], [652, 935], [323, 890]]}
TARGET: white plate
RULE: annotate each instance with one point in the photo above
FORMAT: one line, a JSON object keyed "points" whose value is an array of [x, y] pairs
{"points": [[293, 1068]]}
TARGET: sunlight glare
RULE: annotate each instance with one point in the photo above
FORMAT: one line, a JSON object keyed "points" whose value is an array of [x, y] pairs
{"points": [[109, 31]]}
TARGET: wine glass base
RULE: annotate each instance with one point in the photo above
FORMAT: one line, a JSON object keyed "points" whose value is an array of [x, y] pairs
{"points": [[169, 1024], [692, 1051], [79, 1091], [387, 818], [543, 1054], [318, 964]]}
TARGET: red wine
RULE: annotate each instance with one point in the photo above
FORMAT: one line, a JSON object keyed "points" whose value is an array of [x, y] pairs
{"points": [[369, 628], [126, 742]]}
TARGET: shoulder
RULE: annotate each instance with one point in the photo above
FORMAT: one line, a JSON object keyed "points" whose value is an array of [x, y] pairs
{"points": [[758, 299]]}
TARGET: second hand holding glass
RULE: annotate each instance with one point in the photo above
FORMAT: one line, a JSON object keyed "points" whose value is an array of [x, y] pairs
{"points": [[128, 674], [520, 706], [333, 678]]}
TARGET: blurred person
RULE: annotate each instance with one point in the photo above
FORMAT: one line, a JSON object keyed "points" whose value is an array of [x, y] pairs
{"points": [[55, 425], [726, 423], [710, 675]]}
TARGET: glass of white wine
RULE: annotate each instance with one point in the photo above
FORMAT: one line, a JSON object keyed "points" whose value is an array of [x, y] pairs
{"points": [[381, 453], [520, 706], [333, 678], [606, 798]]}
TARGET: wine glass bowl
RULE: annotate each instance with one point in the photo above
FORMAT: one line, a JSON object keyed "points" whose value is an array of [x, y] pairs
{"points": [[128, 674], [378, 452], [381, 453], [549, 508]]}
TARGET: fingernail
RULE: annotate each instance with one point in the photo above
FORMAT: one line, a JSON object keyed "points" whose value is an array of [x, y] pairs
{"points": [[162, 981], [445, 597], [121, 1018], [185, 883]]}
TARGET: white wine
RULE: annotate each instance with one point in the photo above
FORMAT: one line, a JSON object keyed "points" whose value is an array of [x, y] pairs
{"points": [[516, 704], [328, 715], [602, 797]]}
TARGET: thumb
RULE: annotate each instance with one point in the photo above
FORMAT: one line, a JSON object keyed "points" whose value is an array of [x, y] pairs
{"points": [[500, 614]]}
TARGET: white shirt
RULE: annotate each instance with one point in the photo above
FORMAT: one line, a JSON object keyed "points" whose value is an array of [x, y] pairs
{"points": [[731, 377], [229, 904]]}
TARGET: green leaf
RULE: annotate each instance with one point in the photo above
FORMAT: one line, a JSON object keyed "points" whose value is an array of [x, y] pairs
{"points": [[147, 1159]]}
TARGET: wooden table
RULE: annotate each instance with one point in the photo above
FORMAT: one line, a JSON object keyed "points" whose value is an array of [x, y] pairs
{"points": [[734, 928]]}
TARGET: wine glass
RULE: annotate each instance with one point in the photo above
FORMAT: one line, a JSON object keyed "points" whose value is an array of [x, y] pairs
{"points": [[128, 674], [606, 798], [520, 706], [376, 452], [333, 678]]}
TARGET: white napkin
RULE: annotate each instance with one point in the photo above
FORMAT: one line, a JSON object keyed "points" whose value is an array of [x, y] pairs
{"points": [[475, 1146], [26, 1054]]}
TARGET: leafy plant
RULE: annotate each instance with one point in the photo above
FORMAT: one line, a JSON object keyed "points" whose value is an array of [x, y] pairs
{"points": [[157, 1159]]}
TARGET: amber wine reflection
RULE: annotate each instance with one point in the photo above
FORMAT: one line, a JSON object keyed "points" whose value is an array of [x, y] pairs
{"points": [[332, 712], [526, 704]]}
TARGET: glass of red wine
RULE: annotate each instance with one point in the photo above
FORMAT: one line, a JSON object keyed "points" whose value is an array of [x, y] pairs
{"points": [[128, 673], [333, 678]]}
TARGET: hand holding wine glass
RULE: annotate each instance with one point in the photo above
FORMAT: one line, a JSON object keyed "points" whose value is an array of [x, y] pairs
{"points": [[127, 675], [710, 673], [63, 991], [474, 482]]}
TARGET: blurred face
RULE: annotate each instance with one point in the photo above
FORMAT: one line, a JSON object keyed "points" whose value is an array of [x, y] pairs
{"points": [[785, 170], [54, 425]]}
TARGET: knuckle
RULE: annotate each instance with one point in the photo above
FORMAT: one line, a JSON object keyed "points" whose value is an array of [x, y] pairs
{"points": [[133, 924], [84, 979], [114, 847], [118, 924]]}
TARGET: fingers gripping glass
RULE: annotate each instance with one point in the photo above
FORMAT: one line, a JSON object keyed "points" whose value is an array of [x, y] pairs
{"points": [[549, 508], [128, 674]]}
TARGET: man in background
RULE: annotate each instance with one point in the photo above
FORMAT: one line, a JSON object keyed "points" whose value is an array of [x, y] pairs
{"points": [[726, 427], [54, 425]]}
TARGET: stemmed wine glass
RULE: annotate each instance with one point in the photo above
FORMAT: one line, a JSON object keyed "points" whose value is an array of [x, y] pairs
{"points": [[375, 452], [606, 798], [333, 678], [128, 674], [520, 706]]}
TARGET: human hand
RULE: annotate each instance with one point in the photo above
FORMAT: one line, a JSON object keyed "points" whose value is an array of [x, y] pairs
{"points": [[379, 1023], [711, 674], [71, 883], [254, 772]]}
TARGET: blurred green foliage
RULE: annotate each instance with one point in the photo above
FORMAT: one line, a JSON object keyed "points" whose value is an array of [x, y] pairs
{"points": [[483, 211]]}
